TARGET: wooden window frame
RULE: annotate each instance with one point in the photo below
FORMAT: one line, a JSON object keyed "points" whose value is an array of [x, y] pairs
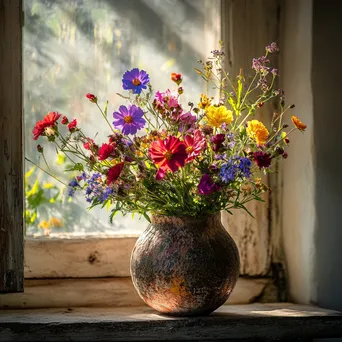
{"points": [[101, 263]]}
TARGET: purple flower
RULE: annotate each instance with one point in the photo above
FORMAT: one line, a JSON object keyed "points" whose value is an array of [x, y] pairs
{"points": [[273, 47], [129, 119], [135, 80], [206, 185], [259, 65]]}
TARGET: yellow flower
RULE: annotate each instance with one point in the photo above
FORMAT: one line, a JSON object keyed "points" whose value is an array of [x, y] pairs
{"points": [[216, 116], [44, 224], [55, 222], [300, 125], [204, 102], [257, 131]]}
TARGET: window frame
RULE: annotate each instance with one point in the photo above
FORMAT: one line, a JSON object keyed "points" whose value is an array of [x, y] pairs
{"points": [[257, 243]]}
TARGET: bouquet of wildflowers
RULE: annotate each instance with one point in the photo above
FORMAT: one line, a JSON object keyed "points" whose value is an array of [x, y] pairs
{"points": [[169, 158]]}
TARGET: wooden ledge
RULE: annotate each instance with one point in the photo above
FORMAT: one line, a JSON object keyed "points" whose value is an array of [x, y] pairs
{"points": [[262, 322]]}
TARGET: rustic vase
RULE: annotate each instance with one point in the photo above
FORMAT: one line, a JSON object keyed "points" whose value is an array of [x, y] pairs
{"points": [[184, 266]]}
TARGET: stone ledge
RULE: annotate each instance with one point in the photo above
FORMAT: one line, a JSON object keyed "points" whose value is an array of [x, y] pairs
{"points": [[262, 322]]}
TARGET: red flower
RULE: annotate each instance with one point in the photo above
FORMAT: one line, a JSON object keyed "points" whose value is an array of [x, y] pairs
{"points": [[262, 159], [89, 144], [194, 145], [114, 173], [168, 154], [105, 151], [91, 98], [49, 121], [72, 125], [65, 120], [176, 78]]}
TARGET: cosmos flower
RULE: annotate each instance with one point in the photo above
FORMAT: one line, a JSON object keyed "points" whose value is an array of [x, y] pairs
{"points": [[216, 116], [129, 119], [49, 122], [300, 125], [135, 80], [257, 131], [195, 144], [169, 154], [206, 185]]}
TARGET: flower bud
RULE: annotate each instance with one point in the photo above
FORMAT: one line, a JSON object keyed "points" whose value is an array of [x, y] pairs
{"points": [[180, 90], [177, 78], [285, 155], [91, 98], [39, 148]]}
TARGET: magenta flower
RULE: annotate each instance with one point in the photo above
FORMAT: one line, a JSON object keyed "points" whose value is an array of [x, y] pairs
{"points": [[206, 185], [187, 122], [135, 80], [129, 119]]}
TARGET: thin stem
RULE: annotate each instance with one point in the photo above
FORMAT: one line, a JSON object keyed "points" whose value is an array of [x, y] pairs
{"points": [[48, 173]]}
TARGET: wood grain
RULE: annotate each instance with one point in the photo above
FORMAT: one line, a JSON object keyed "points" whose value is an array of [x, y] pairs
{"points": [[87, 257], [247, 27], [103, 292], [255, 322], [11, 148]]}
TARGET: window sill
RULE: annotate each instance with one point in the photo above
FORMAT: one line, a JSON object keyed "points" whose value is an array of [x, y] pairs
{"points": [[263, 322]]}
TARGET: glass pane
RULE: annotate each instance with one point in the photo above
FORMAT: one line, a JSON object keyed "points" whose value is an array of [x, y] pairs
{"points": [[80, 46]]}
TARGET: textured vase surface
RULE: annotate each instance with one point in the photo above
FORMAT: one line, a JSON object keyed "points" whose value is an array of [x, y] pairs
{"points": [[184, 266]]}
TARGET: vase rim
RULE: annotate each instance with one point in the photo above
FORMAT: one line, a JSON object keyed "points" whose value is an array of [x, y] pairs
{"points": [[159, 218]]}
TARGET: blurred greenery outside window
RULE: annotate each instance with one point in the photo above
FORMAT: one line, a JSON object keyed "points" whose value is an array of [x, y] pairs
{"points": [[80, 46]]}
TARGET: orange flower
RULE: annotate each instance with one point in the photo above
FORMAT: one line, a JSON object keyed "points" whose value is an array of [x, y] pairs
{"points": [[300, 125]]}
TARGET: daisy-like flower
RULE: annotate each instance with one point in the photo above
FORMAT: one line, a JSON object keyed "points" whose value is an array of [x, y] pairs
{"points": [[204, 102], [257, 131], [169, 154], [195, 144], [129, 119], [216, 116], [48, 123], [135, 80], [300, 125]]}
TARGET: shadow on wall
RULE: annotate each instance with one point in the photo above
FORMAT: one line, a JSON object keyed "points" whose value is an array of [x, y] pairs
{"points": [[326, 87]]}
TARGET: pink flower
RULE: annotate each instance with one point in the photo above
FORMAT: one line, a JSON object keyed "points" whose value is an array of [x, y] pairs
{"points": [[105, 151], [206, 185], [114, 173], [72, 125], [187, 121], [89, 144], [168, 99], [195, 144]]}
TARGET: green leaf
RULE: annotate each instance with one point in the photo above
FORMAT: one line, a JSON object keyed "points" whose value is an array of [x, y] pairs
{"points": [[147, 217], [105, 108]]}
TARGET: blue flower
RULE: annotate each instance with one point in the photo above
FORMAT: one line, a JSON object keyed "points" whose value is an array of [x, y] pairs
{"points": [[245, 167], [234, 168], [135, 80], [73, 183]]}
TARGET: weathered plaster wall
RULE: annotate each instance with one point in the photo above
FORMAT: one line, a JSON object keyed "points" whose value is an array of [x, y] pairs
{"points": [[299, 215], [312, 202]]}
